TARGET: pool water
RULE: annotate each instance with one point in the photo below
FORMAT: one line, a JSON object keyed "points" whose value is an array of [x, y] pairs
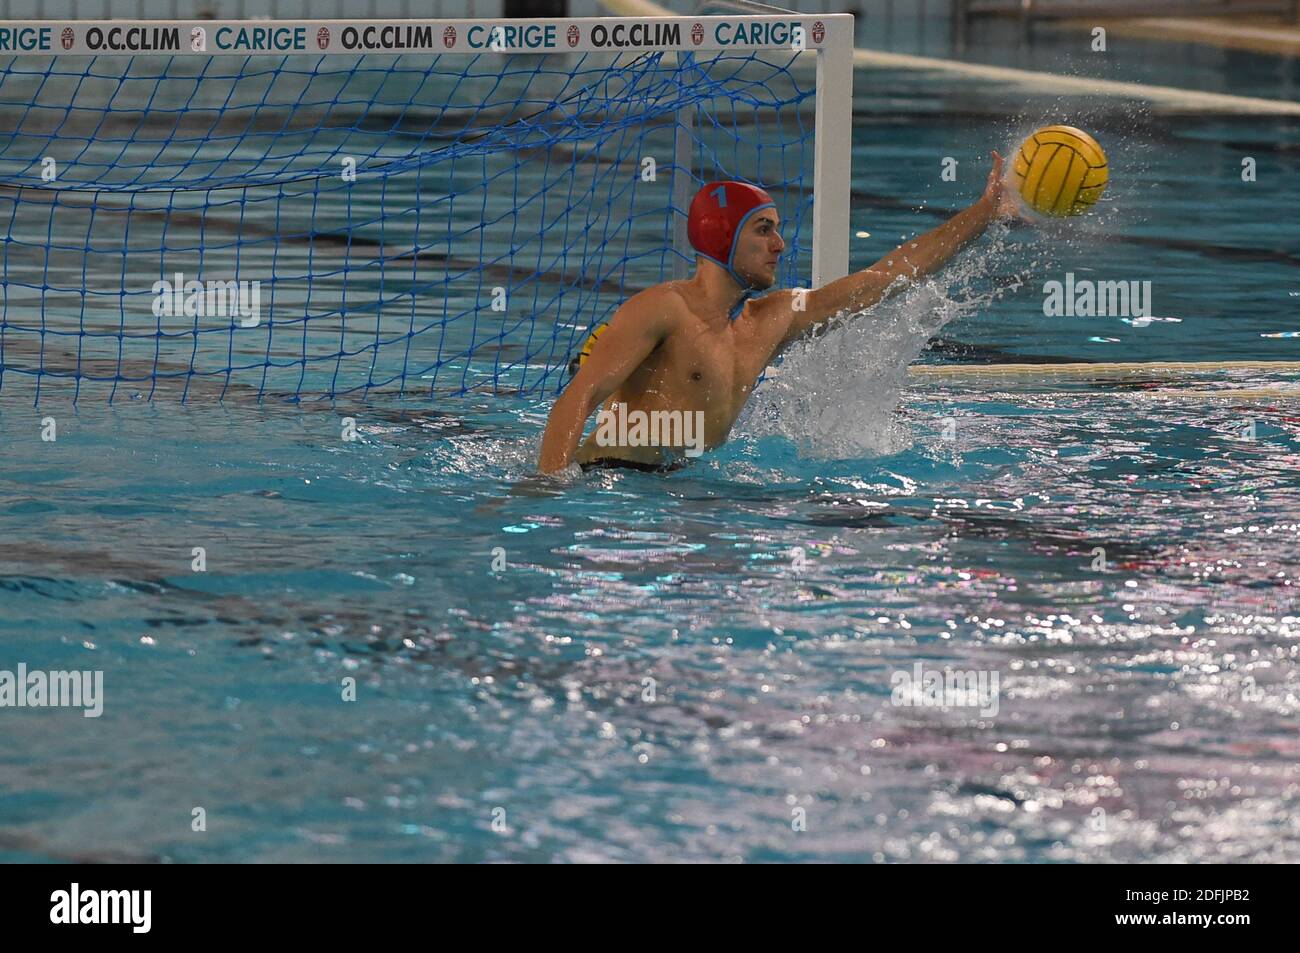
{"points": [[702, 666]]}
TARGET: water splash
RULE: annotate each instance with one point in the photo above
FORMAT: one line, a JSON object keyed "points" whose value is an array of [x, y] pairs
{"points": [[834, 395]]}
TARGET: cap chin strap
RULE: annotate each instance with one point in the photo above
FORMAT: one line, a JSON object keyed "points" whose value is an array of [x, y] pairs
{"points": [[744, 296], [747, 290]]}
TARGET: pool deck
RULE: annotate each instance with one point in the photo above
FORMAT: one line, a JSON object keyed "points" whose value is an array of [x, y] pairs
{"points": [[1259, 34]]}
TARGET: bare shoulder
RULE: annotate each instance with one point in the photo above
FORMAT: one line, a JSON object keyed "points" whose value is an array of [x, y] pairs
{"points": [[773, 312], [662, 303], [775, 302]]}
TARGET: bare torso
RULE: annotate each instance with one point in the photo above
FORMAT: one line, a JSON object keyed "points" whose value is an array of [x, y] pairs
{"points": [[707, 363]]}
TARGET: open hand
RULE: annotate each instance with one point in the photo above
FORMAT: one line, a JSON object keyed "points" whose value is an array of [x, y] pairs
{"points": [[1000, 195]]}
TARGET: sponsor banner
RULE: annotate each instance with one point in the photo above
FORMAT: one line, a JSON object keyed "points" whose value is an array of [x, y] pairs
{"points": [[285, 37]]}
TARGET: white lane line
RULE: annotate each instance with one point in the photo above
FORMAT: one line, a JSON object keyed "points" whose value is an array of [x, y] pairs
{"points": [[1170, 96]]}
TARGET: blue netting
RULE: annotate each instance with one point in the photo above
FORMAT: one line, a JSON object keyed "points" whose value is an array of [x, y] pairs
{"points": [[479, 180]]}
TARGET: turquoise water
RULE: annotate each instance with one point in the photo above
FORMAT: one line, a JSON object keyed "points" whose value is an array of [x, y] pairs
{"points": [[855, 526]]}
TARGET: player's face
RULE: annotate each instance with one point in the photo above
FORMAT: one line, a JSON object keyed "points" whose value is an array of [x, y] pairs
{"points": [[758, 251]]}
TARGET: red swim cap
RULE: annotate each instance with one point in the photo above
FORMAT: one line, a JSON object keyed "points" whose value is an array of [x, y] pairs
{"points": [[718, 212]]}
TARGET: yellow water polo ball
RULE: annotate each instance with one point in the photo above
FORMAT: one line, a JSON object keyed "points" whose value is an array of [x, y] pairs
{"points": [[1060, 170]]}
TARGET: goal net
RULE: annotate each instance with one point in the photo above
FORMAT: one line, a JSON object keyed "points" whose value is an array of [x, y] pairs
{"points": [[300, 210]]}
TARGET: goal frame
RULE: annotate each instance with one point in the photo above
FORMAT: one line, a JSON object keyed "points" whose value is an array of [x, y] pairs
{"points": [[827, 37]]}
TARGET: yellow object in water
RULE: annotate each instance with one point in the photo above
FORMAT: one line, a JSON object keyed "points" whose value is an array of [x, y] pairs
{"points": [[585, 353], [1060, 170]]}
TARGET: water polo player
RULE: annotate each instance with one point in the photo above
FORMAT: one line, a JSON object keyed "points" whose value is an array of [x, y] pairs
{"points": [[678, 361]]}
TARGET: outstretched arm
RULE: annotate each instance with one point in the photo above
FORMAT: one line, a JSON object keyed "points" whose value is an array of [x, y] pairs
{"points": [[911, 262], [634, 331]]}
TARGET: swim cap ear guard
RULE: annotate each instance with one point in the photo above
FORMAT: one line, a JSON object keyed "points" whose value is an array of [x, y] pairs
{"points": [[718, 213]]}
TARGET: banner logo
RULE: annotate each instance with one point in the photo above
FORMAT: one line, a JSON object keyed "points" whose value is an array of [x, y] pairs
{"points": [[818, 31], [642, 33], [198, 40], [572, 34], [449, 37], [323, 37], [66, 37], [697, 34]]}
